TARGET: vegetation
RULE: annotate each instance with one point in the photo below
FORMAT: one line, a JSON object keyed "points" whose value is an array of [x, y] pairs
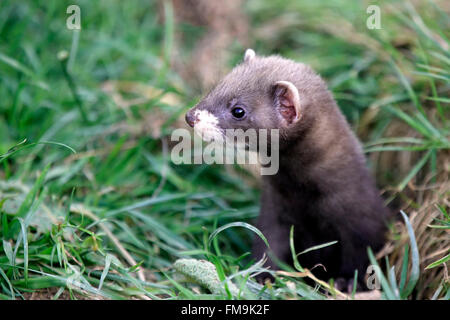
{"points": [[91, 205]]}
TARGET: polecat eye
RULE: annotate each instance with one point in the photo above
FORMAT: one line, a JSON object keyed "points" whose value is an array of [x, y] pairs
{"points": [[238, 112]]}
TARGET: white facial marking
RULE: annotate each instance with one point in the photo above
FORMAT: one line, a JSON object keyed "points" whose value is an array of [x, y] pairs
{"points": [[206, 126]]}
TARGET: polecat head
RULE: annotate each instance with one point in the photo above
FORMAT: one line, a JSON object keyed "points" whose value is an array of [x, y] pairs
{"points": [[260, 93]]}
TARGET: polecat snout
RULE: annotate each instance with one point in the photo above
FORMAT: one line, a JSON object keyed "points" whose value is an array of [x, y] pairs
{"points": [[322, 187]]}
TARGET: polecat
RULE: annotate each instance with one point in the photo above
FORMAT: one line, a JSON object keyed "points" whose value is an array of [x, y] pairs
{"points": [[322, 187]]}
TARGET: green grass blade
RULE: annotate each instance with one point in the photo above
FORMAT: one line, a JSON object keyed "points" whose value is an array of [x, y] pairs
{"points": [[25, 247], [320, 246], [383, 281], [393, 282], [438, 262], [108, 259], [13, 63], [238, 224], [8, 282], [414, 171], [415, 262], [404, 273], [294, 255]]}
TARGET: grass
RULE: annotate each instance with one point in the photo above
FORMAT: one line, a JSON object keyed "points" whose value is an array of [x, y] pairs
{"points": [[90, 204]]}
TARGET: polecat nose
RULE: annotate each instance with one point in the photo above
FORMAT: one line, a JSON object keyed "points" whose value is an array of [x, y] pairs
{"points": [[190, 118]]}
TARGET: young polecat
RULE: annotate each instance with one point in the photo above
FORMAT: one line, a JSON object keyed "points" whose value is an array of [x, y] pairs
{"points": [[322, 187]]}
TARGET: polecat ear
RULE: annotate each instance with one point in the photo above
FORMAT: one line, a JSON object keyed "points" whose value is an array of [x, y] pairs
{"points": [[249, 55], [287, 101]]}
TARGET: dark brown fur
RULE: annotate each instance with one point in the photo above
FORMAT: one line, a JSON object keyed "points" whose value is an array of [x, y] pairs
{"points": [[323, 187]]}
